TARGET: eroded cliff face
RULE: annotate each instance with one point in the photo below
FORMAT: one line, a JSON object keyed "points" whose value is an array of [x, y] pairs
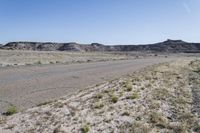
{"points": [[170, 46]]}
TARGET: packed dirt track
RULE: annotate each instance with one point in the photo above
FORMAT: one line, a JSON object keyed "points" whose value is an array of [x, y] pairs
{"points": [[160, 98], [28, 86]]}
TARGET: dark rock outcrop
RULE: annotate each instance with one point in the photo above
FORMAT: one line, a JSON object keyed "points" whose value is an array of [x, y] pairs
{"points": [[169, 46]]}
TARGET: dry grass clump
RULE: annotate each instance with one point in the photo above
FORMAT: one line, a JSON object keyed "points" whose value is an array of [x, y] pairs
{"points": [[114, 98], [158, 119], [99, 96], [134, 95], [139, 127], [128, 85], [98, 105]]}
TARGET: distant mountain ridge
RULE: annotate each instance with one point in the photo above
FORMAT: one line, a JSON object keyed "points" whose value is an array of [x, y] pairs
{"points": [[171, 46]]}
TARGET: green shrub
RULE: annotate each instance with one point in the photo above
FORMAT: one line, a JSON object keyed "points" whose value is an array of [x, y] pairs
{"points": [[11, 110], [114, 98], [85, 128], [197, 128]]}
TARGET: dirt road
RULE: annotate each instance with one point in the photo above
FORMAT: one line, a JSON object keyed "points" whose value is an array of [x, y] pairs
{"points": [[29, 86]]}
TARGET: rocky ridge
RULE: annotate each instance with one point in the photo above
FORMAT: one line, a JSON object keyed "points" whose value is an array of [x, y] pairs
{"points": [[169, 46]]}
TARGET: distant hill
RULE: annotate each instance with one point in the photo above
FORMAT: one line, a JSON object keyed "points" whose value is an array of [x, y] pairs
{"points": [[170, 46]]}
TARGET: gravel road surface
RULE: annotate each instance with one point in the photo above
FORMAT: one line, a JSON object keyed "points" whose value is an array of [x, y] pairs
{"points": [[28, 86]]}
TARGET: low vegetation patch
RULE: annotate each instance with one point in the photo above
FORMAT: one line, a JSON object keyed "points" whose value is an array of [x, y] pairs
{"points": [[85, 128], [114, 98], [98, 105], [134, 95], [11, 110], [128, 85]]}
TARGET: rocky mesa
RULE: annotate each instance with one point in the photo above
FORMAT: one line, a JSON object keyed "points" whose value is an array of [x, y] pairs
{"points": [[168, 46]]}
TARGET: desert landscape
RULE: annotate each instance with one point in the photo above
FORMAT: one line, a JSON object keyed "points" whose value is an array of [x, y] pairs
{"points": [[118, 91], [99, 66], [37, 53], [24, 58], [158, 98]]}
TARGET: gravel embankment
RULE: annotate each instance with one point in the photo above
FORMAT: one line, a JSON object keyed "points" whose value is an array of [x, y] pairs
{"points": [[156, 99]]}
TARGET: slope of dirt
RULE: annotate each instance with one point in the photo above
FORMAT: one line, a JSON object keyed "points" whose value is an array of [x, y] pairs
{"points": [[27, 86], [155, 99]]}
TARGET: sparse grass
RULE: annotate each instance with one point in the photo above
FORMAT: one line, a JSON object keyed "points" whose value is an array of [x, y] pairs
{"points": [[134, 95], [162, 104], [85, 128], [157, 118], [197, 128], [11, 110], [44, 103], [2, 120], [179, 127], [98, 105], [138, 127], [99, 96], [114, 98], [121, 93], [128, 85]]}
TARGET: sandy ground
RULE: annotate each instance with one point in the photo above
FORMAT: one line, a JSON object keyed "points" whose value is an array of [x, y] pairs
{"points": [[28, 86], [160, 98], [16, 58], [19, 57]]}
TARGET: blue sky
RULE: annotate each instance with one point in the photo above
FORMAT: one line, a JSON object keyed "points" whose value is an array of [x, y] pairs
{"points": [[103, 21]]}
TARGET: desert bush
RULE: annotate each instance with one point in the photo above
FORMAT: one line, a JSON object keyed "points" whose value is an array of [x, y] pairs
{"points": [[128, 85], [158, 119], [11, 110], [85, 128], [114, 98]]}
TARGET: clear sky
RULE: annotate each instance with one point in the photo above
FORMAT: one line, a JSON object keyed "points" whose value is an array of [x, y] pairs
{"points": [[103, 21]]}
